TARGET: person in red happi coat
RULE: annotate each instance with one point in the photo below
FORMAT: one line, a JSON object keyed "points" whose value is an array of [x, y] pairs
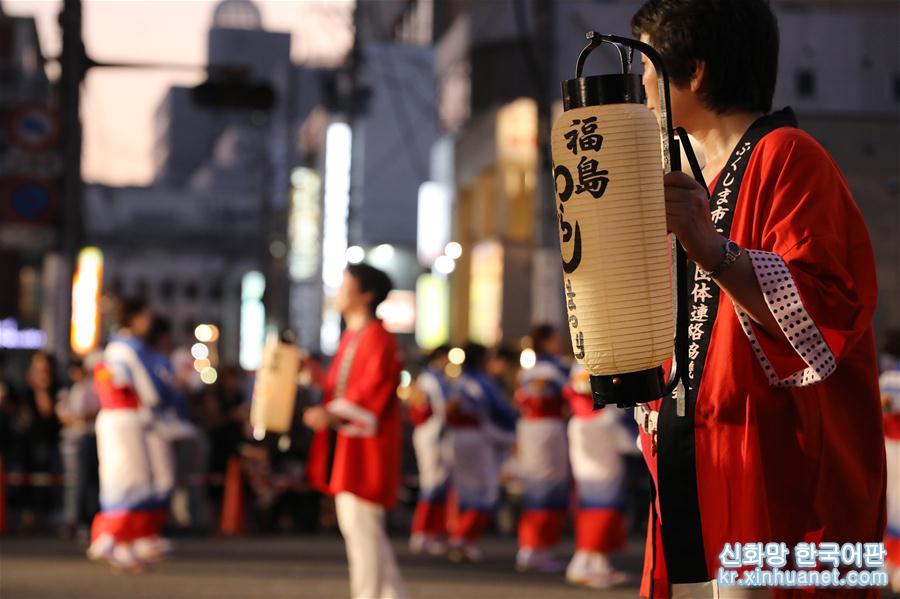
{"points": [[778, 437], [356, 452]]}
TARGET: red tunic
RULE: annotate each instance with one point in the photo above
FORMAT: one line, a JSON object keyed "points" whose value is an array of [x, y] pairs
{"points": [[539, 389], [800, 460], [365, 465], [582, 405], [111, 395]]}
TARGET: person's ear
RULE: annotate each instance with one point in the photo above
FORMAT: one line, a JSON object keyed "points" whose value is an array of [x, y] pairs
{"points": [[367, 297], [697, 78]]}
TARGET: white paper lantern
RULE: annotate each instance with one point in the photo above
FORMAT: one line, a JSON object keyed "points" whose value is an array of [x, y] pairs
{"points": [[619, 293], [610, 154], [275, 388]]}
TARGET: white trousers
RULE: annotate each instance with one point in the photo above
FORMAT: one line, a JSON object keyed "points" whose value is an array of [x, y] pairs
{"points": [[126, 474], [712, 590], [432, 455], [595, 453], [373, 569], [475, 469], [543, 460], [162, 463]]}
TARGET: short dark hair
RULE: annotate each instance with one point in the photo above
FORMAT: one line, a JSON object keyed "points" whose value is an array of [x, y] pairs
{"points": [[540, 335], [130, 309], [371, 280], [440, 351], [160, 327], [476, 356], [736, 40], [507, 353]]}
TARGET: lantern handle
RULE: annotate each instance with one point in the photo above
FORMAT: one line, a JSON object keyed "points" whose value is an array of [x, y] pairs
{"points": [[696, 170], [671, 160], [681, 317], [680, 359], [626, 54]]}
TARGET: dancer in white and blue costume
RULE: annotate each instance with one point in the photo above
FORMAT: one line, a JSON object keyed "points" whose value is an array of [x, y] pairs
{"points": [[479, 419], [430, 442]]}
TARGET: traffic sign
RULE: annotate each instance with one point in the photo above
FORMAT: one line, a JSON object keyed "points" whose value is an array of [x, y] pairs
{"points": [[29, 200], [33, 127]]}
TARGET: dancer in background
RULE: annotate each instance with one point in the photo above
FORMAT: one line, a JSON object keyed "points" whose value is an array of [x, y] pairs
{"points": [[356, 453], [181, 450], [543, 461], [890, 396], [126, 532], [479, 419], [427, 413], [597, 441], [76, 409]]}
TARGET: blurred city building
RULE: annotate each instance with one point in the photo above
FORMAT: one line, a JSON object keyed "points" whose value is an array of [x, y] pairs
{"points": [[183, 250], [422, 154], [30, 169], [219, 204], [380, 120], [498, 68], [241, 191]]}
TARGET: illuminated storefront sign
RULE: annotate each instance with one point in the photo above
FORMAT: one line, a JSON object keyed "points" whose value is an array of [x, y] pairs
{"points": [[253, 320], [486, 293], [434, 220], [304, 225], [517, 132], [12, 337], [338, 141], [86, 287], [432, 311], [337, 201]]}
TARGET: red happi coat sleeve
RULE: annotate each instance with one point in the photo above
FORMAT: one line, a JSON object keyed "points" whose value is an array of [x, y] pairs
{"points": [[813, 258]]}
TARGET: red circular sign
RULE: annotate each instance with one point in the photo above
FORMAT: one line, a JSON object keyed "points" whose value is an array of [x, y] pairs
{"points": [[33, 127], [29, 200]]}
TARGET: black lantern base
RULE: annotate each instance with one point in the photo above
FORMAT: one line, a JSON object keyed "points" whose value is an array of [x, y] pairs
{"points": [[629, 389]]}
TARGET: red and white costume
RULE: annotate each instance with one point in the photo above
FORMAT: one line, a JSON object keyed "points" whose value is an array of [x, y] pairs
{"points": [[479, 420], [360, 463], [430, 442], [597, 442], [542, 458], [136, 474], [780, 439]]}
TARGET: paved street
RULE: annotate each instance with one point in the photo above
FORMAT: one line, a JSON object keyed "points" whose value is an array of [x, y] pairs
{"points": [[272, 567]]}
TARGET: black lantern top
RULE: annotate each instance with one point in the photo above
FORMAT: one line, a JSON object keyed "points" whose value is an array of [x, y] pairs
{"points": [[619, 88], [625, 88]]}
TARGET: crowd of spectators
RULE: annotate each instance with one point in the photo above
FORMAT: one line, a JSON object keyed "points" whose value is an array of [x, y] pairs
{"points": [[49, 450]]}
